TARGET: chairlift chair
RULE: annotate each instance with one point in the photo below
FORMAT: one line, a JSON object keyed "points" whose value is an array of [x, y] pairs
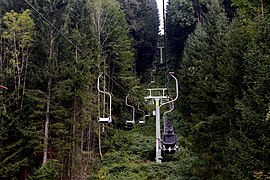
{"points": [[130, 123], [105, 120], [142, 119], [147, 116], [169, 139], [169, 143]]}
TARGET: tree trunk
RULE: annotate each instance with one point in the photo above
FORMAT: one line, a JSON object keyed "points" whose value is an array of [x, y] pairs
{"points": [[25, 61], [46, 129], [48, 101], [99, 142]]}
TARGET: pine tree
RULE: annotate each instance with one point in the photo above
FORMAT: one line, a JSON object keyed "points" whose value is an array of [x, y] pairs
{"points": [[143, 21], [251, 135], [202, 100], [180, 22]]}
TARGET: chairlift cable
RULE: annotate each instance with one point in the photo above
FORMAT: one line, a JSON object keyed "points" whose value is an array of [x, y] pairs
{"points": [[72, 43], [62, 34], [167, 69], [118, 84]]}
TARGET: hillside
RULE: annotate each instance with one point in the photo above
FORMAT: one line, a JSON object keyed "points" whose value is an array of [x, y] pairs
{"points": [[74, 72]]}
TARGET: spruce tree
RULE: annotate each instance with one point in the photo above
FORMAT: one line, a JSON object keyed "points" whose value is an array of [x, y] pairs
{"points": [[247, 148], [180, 22], [201, 80], [143, 22]]}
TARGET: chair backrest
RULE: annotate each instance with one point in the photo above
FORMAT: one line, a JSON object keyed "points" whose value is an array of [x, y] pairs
{"points": [[169, 139]]}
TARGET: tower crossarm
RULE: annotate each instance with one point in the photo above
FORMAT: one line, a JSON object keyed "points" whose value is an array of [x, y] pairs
{"points": [[157, 93]]}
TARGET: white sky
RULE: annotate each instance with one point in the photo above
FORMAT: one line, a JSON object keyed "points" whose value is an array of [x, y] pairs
{"points": [[160, 7]]}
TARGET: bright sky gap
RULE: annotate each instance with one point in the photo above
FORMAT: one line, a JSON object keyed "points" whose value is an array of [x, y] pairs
{"points": [[160, 9]]}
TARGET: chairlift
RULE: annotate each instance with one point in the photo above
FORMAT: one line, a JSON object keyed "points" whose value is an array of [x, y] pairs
{"points": [[152, 74], [169, 139], [130, 123], [105, 120], [142, 119], [152, 77], [169, 143], [147, 116]]}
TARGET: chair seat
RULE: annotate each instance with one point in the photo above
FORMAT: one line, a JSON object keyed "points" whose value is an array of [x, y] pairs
{"points": [[130, 124], [106, 120], [141, 121], [169, 149]]}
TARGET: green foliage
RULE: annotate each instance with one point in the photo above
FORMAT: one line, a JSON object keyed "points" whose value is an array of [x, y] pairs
{"points": [[180, 22], [204, 92], [253, 133], [21, 24], [61, 84], [143, 21], [222, 114], [49, 170], [132, 154], [181, 13], [17, 35], [223, 74], [252, 8], [18, 131]]}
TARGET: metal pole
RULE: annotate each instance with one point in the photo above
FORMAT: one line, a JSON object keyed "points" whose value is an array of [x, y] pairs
{"points": [[158, 137], [161, 55]]}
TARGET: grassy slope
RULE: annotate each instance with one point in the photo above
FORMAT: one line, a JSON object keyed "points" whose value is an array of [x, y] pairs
{"points": [[131, 155]]}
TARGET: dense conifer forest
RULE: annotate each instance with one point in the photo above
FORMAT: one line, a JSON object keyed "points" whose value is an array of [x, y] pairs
{"points": [[53, 51]]}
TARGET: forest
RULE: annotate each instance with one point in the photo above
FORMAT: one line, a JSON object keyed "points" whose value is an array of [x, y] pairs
{"points": [[58, 57]]}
